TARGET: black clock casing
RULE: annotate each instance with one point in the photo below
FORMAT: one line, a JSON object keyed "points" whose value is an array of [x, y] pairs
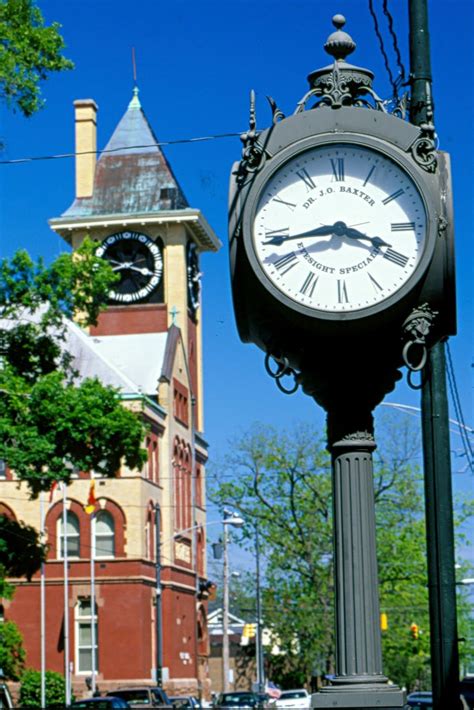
{"points": [[138, 260], [265, 314]]}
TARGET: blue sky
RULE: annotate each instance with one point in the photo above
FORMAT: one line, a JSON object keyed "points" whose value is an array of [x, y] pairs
{"points": [[196, 63]]}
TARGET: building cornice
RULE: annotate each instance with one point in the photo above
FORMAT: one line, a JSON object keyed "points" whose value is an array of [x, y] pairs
{"points": [[194, 221]]}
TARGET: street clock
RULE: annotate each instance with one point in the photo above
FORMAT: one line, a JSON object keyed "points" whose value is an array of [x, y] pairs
{"points": [[339, 222]]}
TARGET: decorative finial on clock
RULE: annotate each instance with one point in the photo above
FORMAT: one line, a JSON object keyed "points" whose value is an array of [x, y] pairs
{"points": [[339, 44], [340, 83]]}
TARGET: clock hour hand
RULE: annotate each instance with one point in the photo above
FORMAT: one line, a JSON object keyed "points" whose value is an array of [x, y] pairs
{"points": [[323, 231], [141, 270], [355, 234]]}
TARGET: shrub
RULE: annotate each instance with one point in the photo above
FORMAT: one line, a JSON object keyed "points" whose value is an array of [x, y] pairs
{"points": [[30, 691], [12, 653]]}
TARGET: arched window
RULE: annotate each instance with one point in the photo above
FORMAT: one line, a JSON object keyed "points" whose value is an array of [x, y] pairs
{"points": [[72, 535], [104, 534]]}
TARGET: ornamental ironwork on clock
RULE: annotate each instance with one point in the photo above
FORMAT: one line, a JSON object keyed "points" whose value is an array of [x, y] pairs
{"points": [[138, 261]]}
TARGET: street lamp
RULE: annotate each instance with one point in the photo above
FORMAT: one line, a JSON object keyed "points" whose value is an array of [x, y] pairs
{"points": [[259, 645], [230, 518], [234, 520]]}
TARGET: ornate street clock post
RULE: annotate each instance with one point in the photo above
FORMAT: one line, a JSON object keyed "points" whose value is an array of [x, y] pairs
{"points": [[342, 272]]}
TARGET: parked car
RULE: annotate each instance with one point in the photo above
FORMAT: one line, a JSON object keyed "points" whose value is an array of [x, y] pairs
{"points": [[184, 701], [466, 689], [143, 697], [422, 699], [100, 703], [237, 699], [299, 698]]}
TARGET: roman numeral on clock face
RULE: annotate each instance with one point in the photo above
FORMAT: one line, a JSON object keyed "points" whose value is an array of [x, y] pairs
{"points": [[342, 296], [307, 179], [393, 196], [395, 257], [283, 232], [402, 226], [286, 262], [309, 284], [375, 283], [337, 165], [369, 175], [291, 206]]}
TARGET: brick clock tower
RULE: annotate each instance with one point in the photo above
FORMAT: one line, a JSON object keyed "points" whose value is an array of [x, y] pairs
{"points": [[148, 345]]}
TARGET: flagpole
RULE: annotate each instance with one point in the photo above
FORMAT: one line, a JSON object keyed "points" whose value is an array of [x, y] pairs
{"points": [[66, 600], [93, 668], [42, 610]]}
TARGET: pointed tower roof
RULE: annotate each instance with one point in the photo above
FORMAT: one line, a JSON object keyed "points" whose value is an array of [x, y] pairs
{"points": [[132, 175]]}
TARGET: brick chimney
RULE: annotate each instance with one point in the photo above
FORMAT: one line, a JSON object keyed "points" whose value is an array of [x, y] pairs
{"points": [[86, 142]]}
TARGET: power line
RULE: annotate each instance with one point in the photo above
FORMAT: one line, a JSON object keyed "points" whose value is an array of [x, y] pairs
{"points": [[395, 83], [468, 450], [178, 141]]}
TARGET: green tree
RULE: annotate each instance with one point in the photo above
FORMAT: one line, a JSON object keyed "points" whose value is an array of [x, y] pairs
{"points": [[62, 424], [12, 653], [283, 482], [50, 423], [29, 52], [30, 689], [21, 553]]}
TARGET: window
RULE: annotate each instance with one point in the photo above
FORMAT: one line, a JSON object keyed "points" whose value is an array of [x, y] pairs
{"points": [[3, 469], [83, 636], [104, 535], [180, 402], [151, 466], [72, 535], [198, 487]]}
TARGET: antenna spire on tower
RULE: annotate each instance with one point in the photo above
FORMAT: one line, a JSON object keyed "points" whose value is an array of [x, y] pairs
{"points": [[135, 102]]}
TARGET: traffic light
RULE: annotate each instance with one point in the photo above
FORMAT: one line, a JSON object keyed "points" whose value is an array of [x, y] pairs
{"points": [[248, 632], [415, 631], [383, 621]]}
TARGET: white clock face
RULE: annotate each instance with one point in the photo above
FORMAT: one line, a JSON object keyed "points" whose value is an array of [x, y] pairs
{"points": [[339, 228]]}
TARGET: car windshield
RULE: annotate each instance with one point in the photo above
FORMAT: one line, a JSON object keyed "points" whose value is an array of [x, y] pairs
{"points": [[134, 697], [290, 694], [99, 704], [181, 702], [237, 699]]}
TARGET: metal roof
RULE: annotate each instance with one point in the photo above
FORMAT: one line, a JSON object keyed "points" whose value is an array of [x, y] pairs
{"points": [[132, 174]]}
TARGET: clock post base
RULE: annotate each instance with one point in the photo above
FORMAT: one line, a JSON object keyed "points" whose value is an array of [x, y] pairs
{"points": [[359, 698]]}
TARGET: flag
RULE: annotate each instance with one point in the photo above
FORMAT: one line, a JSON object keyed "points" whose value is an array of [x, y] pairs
{"points": [[91, 499], [52, 491], [272, 690]]}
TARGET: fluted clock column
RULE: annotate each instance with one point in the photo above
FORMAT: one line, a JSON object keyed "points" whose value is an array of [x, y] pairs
{"points": [[359, 681]]}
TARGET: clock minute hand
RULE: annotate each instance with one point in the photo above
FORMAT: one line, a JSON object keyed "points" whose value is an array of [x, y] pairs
{"points": [[323, 231]]}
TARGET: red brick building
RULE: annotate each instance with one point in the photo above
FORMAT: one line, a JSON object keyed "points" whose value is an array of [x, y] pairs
{"points": [[148, 345]]}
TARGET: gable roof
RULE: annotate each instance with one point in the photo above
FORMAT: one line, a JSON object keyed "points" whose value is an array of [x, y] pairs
{"points": [[132, 174], [138, 357]]}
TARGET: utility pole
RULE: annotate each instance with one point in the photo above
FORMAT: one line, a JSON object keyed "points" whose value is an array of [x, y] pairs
{"points": [[259, 645], [158, 608], [225, 615], [436, 445]]}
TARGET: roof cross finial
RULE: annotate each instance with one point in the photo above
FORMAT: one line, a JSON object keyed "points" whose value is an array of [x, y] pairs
{"points": [[173, 313]]}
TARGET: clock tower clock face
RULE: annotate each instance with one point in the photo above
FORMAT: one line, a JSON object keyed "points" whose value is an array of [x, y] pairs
{"points": [[339, 228], [139, 263], [193, 277]]}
